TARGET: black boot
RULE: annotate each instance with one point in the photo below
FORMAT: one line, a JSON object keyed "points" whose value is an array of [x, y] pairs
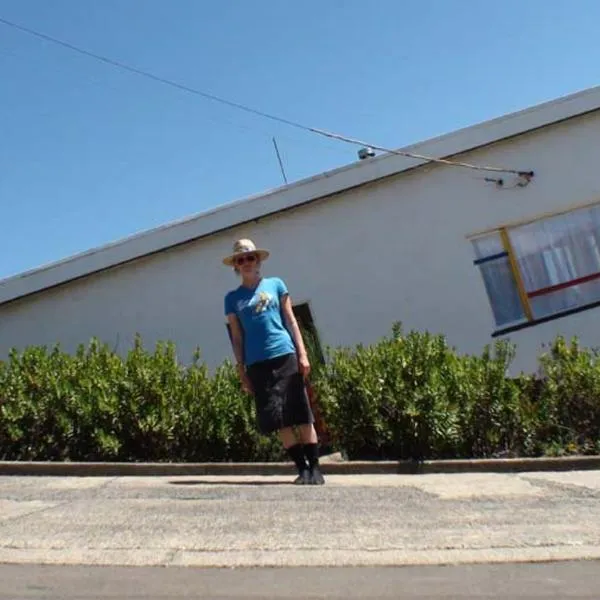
{"points": [[296, 453], [311, 451]]}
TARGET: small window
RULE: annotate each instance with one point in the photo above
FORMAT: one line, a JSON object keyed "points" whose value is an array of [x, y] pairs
{"points": [[543, 268]]}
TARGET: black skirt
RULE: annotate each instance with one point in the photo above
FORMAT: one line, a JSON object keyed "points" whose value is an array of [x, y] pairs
{"points": [[280, 394]]}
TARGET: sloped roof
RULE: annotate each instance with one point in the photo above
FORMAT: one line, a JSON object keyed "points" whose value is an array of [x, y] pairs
{"points": [[295, 194]]}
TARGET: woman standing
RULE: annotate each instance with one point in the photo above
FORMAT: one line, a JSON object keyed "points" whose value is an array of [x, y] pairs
{"points": [[271, 358]]}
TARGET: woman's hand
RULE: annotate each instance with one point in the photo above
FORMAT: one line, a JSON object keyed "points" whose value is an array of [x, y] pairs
{"points": [[304, 365], [247, 385], [245, 380]]}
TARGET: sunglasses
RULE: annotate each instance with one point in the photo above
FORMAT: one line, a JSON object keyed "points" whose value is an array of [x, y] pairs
{"points": [[248, 258]]}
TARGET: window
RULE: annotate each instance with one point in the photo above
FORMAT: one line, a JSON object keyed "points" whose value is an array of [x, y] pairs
{"points": [[541, 269], [499, 280]]}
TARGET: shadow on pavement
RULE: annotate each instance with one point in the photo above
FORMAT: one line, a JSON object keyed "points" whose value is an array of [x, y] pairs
{"points": [[251, 483]]}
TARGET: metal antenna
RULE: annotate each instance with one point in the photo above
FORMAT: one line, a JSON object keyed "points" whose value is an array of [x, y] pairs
{"points": [[279, 159]]}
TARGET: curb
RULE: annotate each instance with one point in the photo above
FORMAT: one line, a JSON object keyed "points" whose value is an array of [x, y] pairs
{"points": [[107, 469]]}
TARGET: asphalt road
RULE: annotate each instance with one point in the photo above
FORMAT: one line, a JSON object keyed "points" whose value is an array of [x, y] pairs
{"points": [[563, 580]]}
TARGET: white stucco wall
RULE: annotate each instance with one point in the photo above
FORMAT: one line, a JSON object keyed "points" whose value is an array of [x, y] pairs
{"points": [[393, 250]]}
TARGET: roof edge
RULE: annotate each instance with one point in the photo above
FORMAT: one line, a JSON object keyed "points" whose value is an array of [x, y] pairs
{"points": [[325, 184]]}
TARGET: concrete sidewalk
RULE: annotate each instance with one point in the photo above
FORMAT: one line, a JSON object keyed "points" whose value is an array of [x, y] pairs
{"points": [[264, 521]]}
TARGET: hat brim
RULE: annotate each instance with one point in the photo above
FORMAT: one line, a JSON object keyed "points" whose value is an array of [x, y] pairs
{"points": [[230, 260]]}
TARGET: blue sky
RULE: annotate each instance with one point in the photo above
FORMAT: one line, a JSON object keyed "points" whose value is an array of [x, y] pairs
{"points": [[90, 154]]}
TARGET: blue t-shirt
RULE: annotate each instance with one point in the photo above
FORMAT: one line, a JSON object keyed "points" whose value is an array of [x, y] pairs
{"points": [[259, 313]]}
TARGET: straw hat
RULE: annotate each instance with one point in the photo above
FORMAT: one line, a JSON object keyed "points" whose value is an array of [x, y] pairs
{"points": [[245, 247]]}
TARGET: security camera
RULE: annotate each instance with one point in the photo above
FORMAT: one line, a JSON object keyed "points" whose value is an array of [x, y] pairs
{"points": [[366, 153]]}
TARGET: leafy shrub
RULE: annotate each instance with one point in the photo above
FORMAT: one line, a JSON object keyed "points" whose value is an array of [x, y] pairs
{"points": [[492, 409], [413, 397], [568, 399], [387, 400], [408, 396], [95, 406]]}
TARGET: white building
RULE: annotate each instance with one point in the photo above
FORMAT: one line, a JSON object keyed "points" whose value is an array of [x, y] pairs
{"points": [[385, 239]]}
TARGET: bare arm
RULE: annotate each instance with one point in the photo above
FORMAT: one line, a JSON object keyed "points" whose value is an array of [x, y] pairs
{"points": [[238, 350], [236, 338]]}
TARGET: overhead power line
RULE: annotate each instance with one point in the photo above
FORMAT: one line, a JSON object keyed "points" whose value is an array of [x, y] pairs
{"points": [[254, 111]]}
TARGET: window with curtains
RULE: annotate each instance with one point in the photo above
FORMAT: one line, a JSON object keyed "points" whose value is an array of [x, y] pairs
{"points": [[543, 268]]}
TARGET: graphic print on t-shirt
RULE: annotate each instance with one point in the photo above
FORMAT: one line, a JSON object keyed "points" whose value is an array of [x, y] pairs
{"points": [[264, 299], [259, 302]]}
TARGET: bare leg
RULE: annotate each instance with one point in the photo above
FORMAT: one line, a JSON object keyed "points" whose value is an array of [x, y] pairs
{"points": [[287, 437], [308, 434]]}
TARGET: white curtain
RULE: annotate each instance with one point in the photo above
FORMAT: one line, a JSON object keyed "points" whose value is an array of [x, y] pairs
{"points": [[558, 250]]}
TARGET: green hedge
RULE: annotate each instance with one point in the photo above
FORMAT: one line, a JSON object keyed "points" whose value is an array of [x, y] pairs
{"points": [[408, 396], [412, 396], [95, 406]]}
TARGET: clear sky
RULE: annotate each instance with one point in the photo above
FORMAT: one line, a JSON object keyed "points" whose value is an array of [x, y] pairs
{"points": [[90, 154]]}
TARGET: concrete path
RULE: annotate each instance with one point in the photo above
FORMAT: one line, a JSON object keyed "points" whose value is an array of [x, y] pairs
{"points": [[558, 581], [265, 521]]}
